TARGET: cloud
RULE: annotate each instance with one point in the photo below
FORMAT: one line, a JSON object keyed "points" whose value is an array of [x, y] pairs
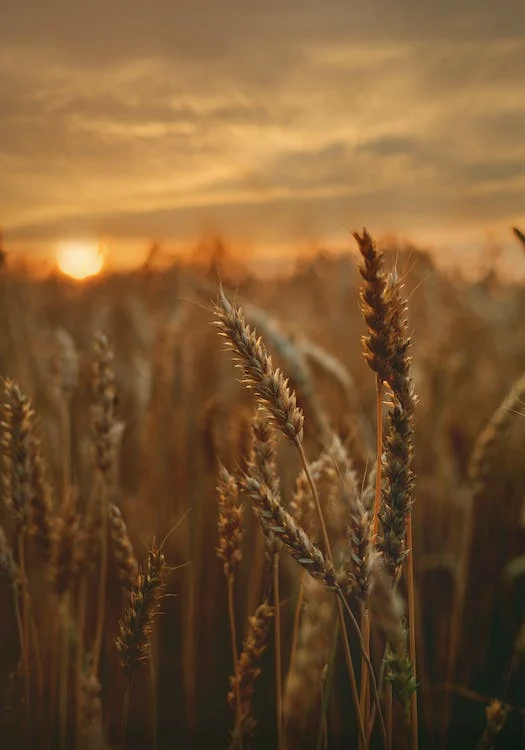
{"points": [[106, 30], [164, 117]]}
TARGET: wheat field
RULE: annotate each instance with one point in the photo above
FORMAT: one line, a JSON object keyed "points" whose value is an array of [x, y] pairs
{"points": [[198, 545]]}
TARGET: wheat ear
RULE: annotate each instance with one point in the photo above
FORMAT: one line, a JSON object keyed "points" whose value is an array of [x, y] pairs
{"points": [[269, 384], [248, 670]]}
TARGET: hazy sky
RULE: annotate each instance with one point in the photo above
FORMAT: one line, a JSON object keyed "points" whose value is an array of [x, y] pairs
{"points": [[271, 121]]}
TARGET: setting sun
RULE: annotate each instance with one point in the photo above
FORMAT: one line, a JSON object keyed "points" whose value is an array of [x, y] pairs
{"points": [[80, 260]]}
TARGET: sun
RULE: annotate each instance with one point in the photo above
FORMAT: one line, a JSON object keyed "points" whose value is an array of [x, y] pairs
{"points": [[80, 259]]}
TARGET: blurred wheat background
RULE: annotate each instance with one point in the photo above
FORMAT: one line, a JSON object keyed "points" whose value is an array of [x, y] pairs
{"points": [[118, 395]]}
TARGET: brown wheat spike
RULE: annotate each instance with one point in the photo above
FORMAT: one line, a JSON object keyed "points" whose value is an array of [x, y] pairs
{"points": [[64, 364], [65, 537], [342, 491], [229, 521], [344, 468], [368, 491], [90, 531], [487, 443], [354, 578], [325, 470], [302, 505], [397, 492], [331, 365], [103, 410], [375, 307], [399, 378], [359, 434], [133, 639], [262, 463], [269, 384], [302, 693], [290, 353], [249, 669], [262, 460], [496, 715], [25, 487], [90, 704], [42, 507], [16, 453], [8, 568], [123, 551], [298, 544], [330, 473], [398, 488]]}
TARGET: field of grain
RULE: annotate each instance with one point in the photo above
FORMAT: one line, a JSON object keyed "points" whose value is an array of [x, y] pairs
{"points": [[158, 514]]}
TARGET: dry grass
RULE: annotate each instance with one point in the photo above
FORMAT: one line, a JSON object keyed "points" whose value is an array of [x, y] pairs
{"points": [[138, 474]]}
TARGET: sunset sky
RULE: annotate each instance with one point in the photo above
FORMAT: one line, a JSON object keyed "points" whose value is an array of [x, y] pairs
{"points": [[271, 122]]}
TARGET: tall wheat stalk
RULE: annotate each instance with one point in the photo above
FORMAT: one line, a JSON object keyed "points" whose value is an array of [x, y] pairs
{"points": [[229, 551], [103, 425], [376, 347], [279, 402], [278, 656], [133, 639], [480, 466]]}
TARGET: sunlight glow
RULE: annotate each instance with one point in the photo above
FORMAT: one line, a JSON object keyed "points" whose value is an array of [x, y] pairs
{"points": [[80, 260]]}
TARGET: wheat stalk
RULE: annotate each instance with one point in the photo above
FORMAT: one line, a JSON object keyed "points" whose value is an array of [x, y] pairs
{"points": [[103, 427], [229, 550], [248, 671]]}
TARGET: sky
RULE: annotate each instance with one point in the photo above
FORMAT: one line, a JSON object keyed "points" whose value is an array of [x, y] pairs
{"points": [[271, 123]]}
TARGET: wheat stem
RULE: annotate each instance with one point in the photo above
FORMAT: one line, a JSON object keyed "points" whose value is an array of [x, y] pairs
{"points": [[25, 620], [379, 451], [414, 725], [315, 495], [363, 695], [388, 716], [154, 702], [351, 671], [321, 740], [297, 620], [295, 633], [20, 627], [366, 622], [341, 598], [64, 670], [235, 655], [102, 584], [55, 668], [81, 625], [278, 657], [125, 711]]}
